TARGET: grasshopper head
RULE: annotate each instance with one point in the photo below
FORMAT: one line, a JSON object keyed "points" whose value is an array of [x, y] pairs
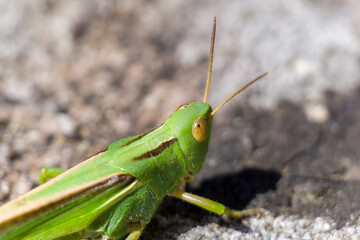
{"points": [[191, 125]]}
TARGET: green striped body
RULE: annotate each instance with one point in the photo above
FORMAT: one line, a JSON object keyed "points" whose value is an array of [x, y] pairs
{"points": [[113, 191], [159, 162]]}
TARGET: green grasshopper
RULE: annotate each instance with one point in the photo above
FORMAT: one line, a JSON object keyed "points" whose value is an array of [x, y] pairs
{"points": [[115, 193]]}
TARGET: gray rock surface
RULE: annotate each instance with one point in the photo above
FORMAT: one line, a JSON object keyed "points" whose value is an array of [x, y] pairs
{"points": [[78, 75]]}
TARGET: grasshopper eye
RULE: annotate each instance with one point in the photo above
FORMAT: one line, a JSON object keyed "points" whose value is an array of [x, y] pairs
{"points": [[181, 106], [199, 129]]}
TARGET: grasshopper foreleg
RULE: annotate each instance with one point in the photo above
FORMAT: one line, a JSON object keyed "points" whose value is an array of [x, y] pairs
{"points": [[213, 206]]}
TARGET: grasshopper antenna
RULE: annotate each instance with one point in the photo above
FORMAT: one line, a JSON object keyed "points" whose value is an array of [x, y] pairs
{"points": [[210, 61], [237, 92]]}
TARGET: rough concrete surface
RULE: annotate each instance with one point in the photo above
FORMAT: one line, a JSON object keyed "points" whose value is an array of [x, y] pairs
{"points": [[78, 75]]}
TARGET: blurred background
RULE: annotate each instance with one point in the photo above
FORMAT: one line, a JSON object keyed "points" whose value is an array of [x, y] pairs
{"points": [[76, 76]]}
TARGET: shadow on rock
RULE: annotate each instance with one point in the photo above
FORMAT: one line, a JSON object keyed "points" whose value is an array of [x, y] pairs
{"points": [[238, 189]]}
